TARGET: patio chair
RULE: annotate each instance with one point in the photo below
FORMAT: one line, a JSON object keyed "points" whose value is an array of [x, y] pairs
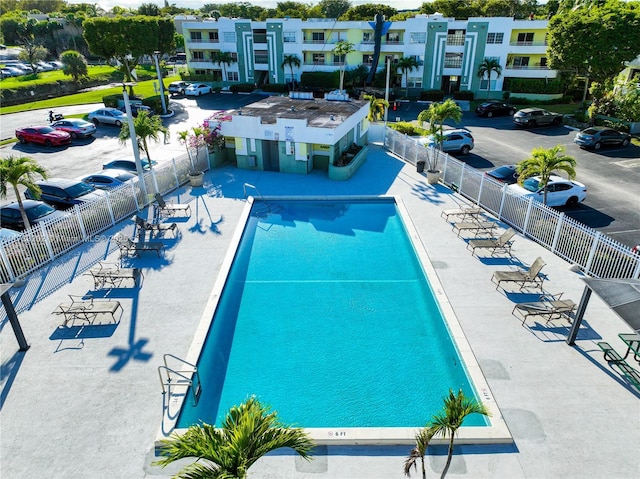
{"points": [[496, 245], [524, 277], [159, 228], [170, 209], [476, 227], [464, 212], [129, 247], [85, 308], [550, 307], [112, 275]]}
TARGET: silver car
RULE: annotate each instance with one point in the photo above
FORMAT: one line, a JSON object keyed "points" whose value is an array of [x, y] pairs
{"points": [[108, 116], [530, 117]]}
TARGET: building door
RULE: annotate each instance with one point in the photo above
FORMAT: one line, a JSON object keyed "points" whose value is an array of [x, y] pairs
{"points": [[271, 155], [450, 84]]}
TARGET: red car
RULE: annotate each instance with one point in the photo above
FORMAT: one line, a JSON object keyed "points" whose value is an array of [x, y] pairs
{"points": [[44, 135]]}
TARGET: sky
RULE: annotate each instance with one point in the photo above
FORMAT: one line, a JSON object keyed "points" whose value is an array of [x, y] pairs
{"points": [[109, 4]]}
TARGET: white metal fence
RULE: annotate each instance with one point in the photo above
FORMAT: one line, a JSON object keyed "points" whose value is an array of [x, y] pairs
{"points": [[46, 241], [595, 253]]}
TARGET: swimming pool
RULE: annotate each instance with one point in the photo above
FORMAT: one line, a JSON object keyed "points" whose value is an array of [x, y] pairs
{"points": [[326, 315]]}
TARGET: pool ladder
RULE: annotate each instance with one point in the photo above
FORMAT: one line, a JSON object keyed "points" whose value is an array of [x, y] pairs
{"points": [[185, 375], [261, 208]]}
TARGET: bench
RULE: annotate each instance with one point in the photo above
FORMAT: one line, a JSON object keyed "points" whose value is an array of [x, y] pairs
{"points": [[112, 275], [612, 356], [85, 308]]}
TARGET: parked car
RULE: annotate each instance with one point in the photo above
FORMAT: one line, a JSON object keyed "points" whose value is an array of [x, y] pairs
{"points": [[56, 64], [37, 212], [45, 67], [109, 178], [76, 127], [137, 107], [45, 135], [197, 89], [598, 136], [560, 192], [495, 108], [64, 193], [178, 87], [108, 116], [530, 117], [504, 174], [127, 165], [12, 71], [459, 140]]}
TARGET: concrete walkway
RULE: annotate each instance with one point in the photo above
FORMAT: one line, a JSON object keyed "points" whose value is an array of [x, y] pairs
{"points": [[87, 402]]}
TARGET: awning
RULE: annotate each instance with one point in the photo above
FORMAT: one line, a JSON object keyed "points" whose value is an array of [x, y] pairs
{"points": [[622, 295]]}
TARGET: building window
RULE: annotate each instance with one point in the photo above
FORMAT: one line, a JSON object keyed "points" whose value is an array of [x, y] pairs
{"points": [[338, 59], [414, 82], [261, 57], [520, 62], [229, 37], [234, 57], [232, 76], [200, 72], [393, 38], [198, 56], [455, 37], [317, 37], [525, 38], [318, 58], [543, 62], [196, 37], [418, 37], [289, 37], [213, 37], [453, 60], [367, 37], [418, 59], [495, 37]]}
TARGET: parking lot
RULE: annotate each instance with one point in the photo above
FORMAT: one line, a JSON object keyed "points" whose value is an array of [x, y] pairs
{"points": [[612, 175]]}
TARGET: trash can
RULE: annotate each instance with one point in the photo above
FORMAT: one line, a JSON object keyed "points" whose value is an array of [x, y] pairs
{"points": [[420, 166]]}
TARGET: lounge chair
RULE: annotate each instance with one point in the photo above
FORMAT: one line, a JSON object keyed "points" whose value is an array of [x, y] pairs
{"points": [[530, 276], [496, 245], [170, 209], [468, 211], [159, 228], [85, 308], [112, 275], [549, 307], [129, 247], [477, 227]]}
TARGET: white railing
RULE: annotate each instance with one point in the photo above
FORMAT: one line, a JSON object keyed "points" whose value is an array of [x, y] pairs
{"points": [[46, 241], [595, 253]]}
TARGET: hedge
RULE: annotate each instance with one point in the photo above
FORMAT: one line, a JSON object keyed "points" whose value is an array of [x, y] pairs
{"points": [[432, 95], [328, 80], [275, 87], [534, 85], [463, 95], [242, 87]]}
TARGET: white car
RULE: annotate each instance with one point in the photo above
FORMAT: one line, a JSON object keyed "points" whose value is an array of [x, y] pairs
{"points": [[560, 192], [109, 116], [197, 89], [457, 141]]}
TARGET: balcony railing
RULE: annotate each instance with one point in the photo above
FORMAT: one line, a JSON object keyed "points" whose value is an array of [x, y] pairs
{"points": [[259, 38], [308, 41], [384, 42], [203, 40], [326, 63], [261, 59], [527, 67], [528, 44]]}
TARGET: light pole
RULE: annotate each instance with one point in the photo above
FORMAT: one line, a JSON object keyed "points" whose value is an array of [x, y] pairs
{"points": [[133, 137], [156, 54]]}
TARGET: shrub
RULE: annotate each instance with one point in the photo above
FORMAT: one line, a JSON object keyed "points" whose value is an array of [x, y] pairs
{"points": [[329, 80], [155, 102], [408, 128], [242, 87], [111, 100], [463, 95], [432, 95], [275, 87]]}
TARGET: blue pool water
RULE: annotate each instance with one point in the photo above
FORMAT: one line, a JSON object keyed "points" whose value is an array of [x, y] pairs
{"points": [[327, 317]]}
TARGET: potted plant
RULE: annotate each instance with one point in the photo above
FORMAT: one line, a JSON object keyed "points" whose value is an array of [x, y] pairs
{"points": [[196, 176]]}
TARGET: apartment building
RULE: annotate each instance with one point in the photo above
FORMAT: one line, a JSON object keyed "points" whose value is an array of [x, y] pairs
{"points": [[448, 51]]}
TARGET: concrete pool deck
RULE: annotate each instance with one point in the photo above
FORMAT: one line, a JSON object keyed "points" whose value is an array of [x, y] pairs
{"points": [[87, 402]]}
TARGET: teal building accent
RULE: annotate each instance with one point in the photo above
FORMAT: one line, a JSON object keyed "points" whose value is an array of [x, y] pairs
{"points": [[474, 49], [276, 48], [434, 54], [244, 42]]}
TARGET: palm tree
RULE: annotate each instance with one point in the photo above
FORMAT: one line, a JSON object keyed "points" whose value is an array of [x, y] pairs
{"points": [[20, 170], [422, 442], [377, 107], [75, 64], [342, 49], [488, 66], [291, 61], [407, 65], [456, 409], [248, 432], [543, 162], [146, 128], [436, 115], [222, 59]]}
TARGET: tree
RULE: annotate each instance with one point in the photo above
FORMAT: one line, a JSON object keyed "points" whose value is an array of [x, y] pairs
{"points": [[377, 107], [407, 65], [436, 115], [21, 170], [456, 408], [147, 128], [596, 41], [291, 61], [334, 8], [222, 59], [341, 50], [75, 65], [368, 11], [149, 9], [488, 66], [248, 432], [543, 163], [419, 451], [32, 53]]}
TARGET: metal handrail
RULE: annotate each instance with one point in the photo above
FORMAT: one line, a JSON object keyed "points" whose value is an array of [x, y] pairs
{"points": [[186, 378]]}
